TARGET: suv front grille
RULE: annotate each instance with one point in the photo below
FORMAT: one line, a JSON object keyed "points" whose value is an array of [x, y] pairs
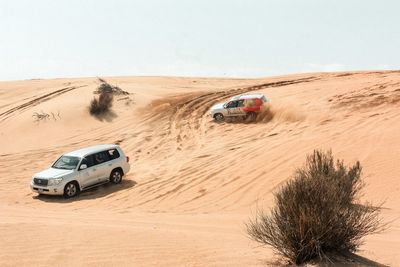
{"points": [[41, 182]]}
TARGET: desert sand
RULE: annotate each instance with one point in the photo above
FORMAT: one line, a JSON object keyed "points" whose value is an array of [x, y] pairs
{"points": [[193, 182]]}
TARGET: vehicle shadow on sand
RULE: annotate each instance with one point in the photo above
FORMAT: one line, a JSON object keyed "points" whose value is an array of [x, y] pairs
{"points": [[93, 193]]}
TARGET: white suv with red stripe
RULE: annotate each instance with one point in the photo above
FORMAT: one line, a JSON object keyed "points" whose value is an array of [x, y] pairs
{"points": [[82, 169], [246, 106]]}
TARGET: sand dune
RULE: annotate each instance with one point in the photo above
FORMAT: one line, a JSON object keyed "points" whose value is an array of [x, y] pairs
{"points": [[193, 182]]}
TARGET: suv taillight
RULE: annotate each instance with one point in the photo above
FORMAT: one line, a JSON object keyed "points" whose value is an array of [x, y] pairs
{"points": [[127, 159]]}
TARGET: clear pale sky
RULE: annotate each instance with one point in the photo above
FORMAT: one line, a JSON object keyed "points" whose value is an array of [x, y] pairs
{"points": [[247, 38]]}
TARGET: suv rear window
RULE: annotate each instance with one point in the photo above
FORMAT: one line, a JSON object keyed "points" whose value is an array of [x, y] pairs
{"points": [[113, 154]]}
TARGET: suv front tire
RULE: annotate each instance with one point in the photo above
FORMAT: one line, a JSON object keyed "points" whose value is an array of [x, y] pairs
{"points": [[71, 190], [219, 117]]}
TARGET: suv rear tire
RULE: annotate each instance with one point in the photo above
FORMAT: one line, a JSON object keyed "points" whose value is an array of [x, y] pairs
{"points": [[116, 176]]}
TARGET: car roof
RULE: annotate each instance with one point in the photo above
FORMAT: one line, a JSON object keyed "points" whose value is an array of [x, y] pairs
{"points": [[89, 150], [247, 96]]}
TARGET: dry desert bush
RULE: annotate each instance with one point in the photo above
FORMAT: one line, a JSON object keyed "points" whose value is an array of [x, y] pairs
{"points": [[43, 116], [108, 88], [317, 212], [102, 105]]}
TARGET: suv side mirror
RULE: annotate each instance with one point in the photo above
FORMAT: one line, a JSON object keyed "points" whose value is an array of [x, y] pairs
{"points": [[83, 166], [225, 105]]}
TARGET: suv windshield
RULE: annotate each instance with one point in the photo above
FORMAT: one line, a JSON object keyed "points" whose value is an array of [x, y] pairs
{"points": [[66, 163]]}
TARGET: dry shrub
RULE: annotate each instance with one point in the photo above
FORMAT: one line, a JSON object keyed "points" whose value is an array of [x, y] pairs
{"points": [[105, 87], [317, 212], [43, 116], [102, 105]]}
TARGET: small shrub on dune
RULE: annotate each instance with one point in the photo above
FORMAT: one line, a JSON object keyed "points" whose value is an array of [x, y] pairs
{"points": [[108, 88], [317, 212], [102, 105], [105, 87]]}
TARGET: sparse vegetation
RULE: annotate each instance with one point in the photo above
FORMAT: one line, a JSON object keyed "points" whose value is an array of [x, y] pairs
{"points": [[102, 105], [317, 212], [127, 100], [108, 88], [43, 116]]}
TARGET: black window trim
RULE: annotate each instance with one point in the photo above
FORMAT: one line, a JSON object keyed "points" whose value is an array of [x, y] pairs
{"points": [[102, 151]]}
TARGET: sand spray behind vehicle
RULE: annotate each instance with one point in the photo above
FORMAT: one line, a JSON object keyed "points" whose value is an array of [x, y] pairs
{"points": [[280, 113], [194, 105]]}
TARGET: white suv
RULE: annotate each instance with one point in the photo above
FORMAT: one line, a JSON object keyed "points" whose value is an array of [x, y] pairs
{"points": [[246, 106], [82, 169]]}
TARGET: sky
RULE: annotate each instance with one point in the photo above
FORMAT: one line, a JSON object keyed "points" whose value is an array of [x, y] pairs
{"points": [[219, 38]]}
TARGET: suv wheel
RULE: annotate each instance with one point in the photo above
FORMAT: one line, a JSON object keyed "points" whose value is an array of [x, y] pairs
{"points": [[219, 117], [71, 189], [116, 176]]}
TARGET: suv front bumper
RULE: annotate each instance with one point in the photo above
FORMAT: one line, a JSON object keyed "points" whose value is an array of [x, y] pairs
{"points": [[48, 190]]}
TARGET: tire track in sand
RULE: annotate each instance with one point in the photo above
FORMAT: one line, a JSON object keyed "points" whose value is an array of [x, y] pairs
{"points": [[36, 101], [180, 124]]}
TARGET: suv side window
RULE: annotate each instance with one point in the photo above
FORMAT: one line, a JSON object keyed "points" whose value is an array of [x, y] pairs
{"points": [[101, 157], [232, 104], [249, 102], [88, 160], [113, 154], [240, 103]]}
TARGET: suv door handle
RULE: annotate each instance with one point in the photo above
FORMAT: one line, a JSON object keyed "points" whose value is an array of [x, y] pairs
{"points": [[110, 164]]}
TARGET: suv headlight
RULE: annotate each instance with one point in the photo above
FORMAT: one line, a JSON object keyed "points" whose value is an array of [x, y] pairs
{"points": [[55, 181]]}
